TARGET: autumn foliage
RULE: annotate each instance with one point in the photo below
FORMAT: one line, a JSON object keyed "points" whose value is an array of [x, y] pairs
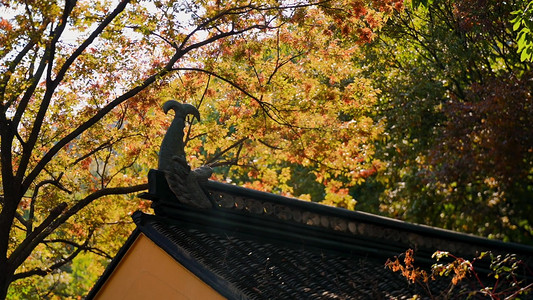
{"points": [[417, 110], [80, 88], [455, 95], [462, 278]]}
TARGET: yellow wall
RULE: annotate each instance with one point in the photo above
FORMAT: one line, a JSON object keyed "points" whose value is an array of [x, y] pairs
{"points": [[148, 272]]}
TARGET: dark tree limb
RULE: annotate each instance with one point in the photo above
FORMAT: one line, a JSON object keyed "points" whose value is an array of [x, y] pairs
{"points": [[52, 84], [85, 246], [59, 264], [212, 161], [56, 182], [60, 215]]}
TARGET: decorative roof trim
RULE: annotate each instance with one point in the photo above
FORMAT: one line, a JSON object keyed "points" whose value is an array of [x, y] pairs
{"points": [[252, 202]]}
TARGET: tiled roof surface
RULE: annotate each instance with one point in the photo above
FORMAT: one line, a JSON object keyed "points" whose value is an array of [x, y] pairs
{"points": [[254, 245], [248, 267]]}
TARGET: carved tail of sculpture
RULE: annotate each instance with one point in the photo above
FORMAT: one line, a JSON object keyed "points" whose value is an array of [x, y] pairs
{"points": [[173, 144], [183, 182]]}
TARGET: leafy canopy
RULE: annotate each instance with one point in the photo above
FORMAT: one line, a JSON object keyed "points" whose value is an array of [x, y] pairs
{"points": [[81, 83], [456, 97]]}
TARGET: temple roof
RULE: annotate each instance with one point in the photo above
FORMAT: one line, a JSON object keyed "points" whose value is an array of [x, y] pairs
{"points": [[257, 245]]}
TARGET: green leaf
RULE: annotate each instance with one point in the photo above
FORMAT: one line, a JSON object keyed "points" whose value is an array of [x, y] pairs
{"points": [[525, 56], [516, 24]]}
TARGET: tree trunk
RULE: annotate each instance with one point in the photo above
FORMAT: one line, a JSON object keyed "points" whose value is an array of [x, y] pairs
{"points": [[5, 280], [6, 272]]}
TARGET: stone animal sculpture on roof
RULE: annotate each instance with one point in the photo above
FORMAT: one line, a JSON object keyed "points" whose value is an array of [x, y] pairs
{"points": [[185, 183]]}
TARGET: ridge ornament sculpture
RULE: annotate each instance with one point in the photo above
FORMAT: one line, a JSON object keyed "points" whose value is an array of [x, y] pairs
{"points": [[185, 183]]}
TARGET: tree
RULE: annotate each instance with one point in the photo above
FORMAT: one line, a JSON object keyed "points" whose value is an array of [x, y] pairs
{"points": [[311, 115], [80, 120], [456, 98]]}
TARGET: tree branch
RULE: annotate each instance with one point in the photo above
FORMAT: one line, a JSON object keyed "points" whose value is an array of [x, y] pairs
{"points": [[212, 160], [266, 107], [59, 216], [48, 58], [51, 85], [85, 248], [93, 151], [30, 242], [58, 264], [55, 182], [12, 67], [97, 117]]}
